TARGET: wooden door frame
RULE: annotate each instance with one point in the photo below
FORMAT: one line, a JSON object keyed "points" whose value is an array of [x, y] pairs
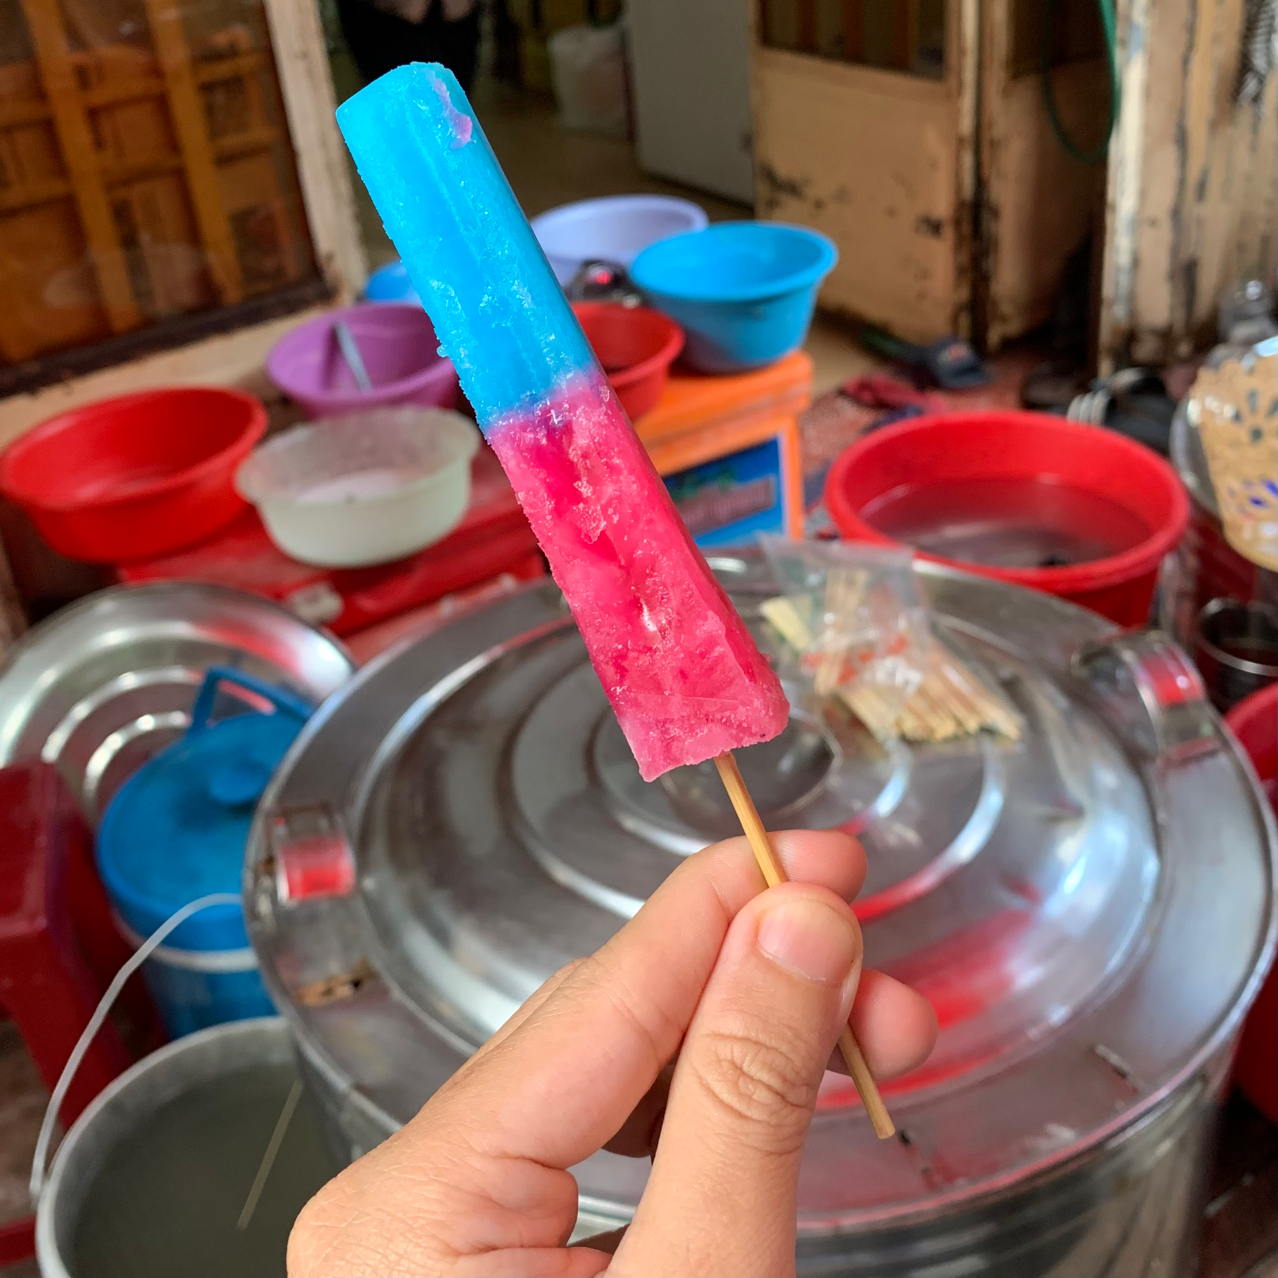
{"points": [[958, 86], [1192, 196], [323, 167]]}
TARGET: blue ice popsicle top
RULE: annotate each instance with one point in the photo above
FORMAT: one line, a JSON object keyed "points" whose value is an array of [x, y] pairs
{"points": [[500, 315]]}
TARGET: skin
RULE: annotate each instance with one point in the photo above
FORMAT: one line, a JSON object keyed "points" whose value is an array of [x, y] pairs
{"points": [[698, 1036]]}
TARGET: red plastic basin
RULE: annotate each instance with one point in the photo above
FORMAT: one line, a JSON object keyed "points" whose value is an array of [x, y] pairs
{"points": [[136, 476], [1255, 724], [636, 346], [925, 456]]}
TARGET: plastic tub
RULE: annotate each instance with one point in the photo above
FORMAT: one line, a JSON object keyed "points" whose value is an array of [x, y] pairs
{"points": [[1017, 484], [136, 476], [176, 830], [616, 229], [401, 354], [743, 292], [636, 347], [364, 489], [390, 283], [1255, 723]]}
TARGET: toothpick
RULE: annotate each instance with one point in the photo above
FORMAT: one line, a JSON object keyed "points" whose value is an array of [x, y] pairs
{"points": [[774, 873]]}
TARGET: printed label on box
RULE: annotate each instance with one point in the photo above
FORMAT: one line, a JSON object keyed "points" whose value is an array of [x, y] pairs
{"points": [[730, 499]]}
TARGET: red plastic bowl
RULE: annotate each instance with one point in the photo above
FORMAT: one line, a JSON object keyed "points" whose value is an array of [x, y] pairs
{"points": [[1255, 724], [928, 452], [636, 346], [136, 476]]}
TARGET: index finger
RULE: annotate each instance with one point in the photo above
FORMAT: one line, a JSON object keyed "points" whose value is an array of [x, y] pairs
{"points": [[562, 1081]]}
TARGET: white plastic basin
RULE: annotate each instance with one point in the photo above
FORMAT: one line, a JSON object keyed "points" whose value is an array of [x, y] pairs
{"points": [[365, 489]]}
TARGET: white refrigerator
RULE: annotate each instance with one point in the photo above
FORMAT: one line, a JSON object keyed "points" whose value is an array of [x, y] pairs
{"points": [[690, 68]]}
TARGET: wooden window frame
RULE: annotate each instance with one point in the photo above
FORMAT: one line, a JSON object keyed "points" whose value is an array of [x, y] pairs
{"points": [[227, 345]]}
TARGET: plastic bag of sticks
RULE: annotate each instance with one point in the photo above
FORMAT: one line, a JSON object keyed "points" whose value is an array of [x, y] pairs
{"points": [[853, 625]]}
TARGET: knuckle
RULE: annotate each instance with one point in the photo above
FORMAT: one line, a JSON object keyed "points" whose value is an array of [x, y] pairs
{"points": [[314, 1233], [758, 1083]]}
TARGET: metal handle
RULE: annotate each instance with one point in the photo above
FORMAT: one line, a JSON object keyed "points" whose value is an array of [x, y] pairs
{"points": [[215, 676], [1151, 692]]}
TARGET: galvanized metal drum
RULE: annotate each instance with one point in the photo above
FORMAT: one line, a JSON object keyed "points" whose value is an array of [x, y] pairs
{"points": [[1088, 909]]}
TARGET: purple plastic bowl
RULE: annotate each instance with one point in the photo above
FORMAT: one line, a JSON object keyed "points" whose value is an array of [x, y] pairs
{"points": [[401, 355]]}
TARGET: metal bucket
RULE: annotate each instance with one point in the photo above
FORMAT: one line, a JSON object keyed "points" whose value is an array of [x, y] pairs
{"points": [[155, 1176], [1235, 646]]}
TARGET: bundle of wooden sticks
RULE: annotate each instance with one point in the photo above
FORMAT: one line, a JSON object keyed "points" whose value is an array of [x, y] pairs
{"points": [[948, 701]]}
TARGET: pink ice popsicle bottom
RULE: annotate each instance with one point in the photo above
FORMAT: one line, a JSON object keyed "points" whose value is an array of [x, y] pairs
{"points": [[681, 670]]}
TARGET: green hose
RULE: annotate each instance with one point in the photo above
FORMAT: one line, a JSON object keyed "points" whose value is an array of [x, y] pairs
{"points": [[1097, 154]]}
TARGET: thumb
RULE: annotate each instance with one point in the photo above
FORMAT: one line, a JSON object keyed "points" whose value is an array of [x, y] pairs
{"points": [[721, 1196]]}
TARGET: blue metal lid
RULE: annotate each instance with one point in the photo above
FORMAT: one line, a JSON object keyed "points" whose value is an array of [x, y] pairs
{"points": [[176, 829]]}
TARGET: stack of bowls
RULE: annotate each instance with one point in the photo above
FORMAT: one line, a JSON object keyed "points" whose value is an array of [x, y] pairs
{"points": [[615, 229]]}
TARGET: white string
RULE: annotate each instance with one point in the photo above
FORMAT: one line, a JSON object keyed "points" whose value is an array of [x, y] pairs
{"points": [[78, 1052]]}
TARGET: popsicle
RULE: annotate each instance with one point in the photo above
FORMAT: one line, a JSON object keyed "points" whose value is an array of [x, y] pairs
{"points": [[684, 677]]}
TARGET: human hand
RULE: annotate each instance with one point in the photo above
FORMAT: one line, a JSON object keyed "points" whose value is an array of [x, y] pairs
{"points": [[699, 1035]]}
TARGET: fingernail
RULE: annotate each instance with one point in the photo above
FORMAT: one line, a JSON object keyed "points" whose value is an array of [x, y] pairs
{"points": [[810, 939]]}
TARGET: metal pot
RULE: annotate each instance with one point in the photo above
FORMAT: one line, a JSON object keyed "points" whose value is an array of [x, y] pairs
{"points": [[156, 1176], [1089, 910], [1236, 648]]}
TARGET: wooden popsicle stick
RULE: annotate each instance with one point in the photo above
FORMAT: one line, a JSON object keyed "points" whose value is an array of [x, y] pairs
{"points": [[773, 873]]}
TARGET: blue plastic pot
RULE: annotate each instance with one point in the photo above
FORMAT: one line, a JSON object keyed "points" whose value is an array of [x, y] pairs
{"points": [[743, 292], [615, 229], [176, 831]]}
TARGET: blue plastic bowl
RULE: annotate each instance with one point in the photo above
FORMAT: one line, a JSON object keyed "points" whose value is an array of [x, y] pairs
{"points": [[390, 283], [743, 292]]}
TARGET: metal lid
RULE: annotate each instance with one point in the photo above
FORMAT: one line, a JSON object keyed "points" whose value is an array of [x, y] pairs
{"points": [[1086, 909], [105, 683]]}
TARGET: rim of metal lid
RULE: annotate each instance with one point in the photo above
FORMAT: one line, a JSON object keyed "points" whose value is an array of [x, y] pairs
{"points": [[38, 634]]}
